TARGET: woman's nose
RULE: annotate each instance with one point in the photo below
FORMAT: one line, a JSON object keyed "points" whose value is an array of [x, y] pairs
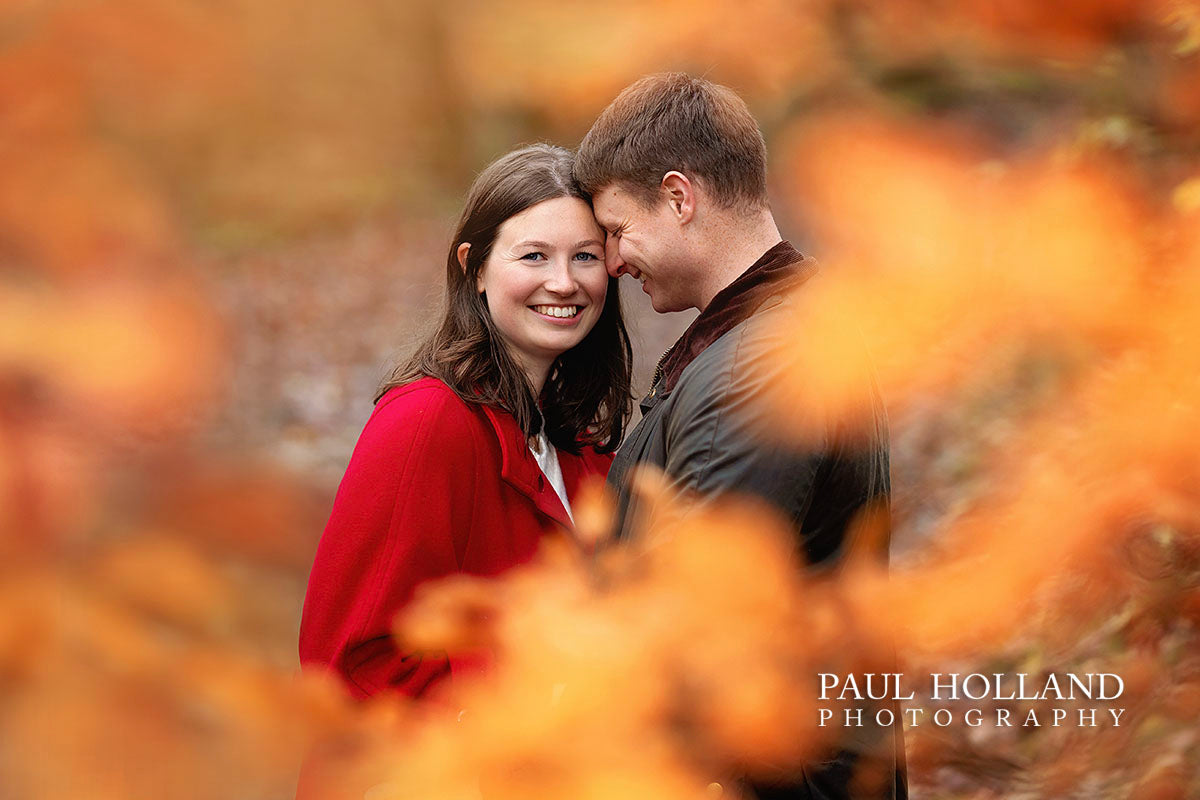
{"points": [[560, 280]]}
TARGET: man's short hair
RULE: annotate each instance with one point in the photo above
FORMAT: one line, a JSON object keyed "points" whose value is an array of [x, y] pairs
{"points": [[674, 121]]}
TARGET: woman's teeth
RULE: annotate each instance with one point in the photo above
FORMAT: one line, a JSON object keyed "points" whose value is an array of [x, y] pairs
{"points": [[557, 311]]}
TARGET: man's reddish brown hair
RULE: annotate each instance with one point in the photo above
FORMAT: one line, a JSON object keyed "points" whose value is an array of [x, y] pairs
{"points": [[674, 121]]}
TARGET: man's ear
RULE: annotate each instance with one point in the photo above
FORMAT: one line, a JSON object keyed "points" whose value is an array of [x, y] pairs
{"points": [[681, 195]]}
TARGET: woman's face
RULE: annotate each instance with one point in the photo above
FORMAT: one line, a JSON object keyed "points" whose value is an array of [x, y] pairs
{"points": [[545, 280]]}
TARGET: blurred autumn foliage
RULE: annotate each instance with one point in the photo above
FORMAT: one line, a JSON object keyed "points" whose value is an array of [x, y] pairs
{"points": [[218, 222]]}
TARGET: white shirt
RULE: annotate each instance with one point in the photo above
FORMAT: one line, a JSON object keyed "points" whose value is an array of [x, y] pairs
{"points": [[547, 459]]}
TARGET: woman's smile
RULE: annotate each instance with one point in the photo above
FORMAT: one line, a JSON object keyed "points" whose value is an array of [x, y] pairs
{"points": [[559, 314]]}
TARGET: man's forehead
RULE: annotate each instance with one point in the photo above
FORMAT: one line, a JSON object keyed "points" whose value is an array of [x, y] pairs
{"points": [[614, 199], [607, 204], [609, 193]]}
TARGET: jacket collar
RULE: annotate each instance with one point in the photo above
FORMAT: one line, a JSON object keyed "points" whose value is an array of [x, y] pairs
{"points": [[779, 269], [519, 469]]}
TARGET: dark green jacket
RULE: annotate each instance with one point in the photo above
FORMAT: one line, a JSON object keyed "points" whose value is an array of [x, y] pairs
{"points": [[707, 428]]}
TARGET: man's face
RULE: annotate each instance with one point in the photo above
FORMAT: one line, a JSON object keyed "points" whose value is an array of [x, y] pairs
{"points": [[647, 243]]}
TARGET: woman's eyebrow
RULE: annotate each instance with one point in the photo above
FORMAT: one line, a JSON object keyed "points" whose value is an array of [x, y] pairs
{"points": [[546, 246]]}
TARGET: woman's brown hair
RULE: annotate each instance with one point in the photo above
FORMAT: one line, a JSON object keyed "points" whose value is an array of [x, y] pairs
{"points": [[586, 399]]}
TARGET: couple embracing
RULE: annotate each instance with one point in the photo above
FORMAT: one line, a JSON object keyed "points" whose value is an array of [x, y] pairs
{"points": [[479, 443]]}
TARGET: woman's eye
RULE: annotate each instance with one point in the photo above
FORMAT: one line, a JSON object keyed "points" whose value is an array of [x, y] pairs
{"points": [[535, 256], [587, 257]]}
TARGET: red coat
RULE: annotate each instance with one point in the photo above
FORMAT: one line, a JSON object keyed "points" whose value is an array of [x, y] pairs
{"points": [[435, 486]]}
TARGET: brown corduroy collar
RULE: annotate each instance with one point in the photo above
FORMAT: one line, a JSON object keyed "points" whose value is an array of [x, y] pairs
{"points": [[779, 269]]}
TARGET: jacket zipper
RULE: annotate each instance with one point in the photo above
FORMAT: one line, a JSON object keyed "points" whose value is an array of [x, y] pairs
{"points": [[658, 374]]}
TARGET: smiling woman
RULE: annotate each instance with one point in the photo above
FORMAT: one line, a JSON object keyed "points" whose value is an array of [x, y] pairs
{"points": [[544, 292], [479, 443]]}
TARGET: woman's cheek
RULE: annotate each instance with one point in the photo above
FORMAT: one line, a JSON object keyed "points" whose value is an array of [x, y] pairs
{"points": [[598, 285]]}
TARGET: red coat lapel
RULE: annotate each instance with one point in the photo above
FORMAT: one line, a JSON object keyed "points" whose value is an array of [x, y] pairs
{"points": [[520, 470]]}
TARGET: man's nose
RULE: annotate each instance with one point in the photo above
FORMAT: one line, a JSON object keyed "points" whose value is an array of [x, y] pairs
{"points": [[612, 256]]}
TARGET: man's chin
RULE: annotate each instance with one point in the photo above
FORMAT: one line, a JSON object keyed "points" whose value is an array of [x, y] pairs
{"points": [[658, 301], [663, 306]]}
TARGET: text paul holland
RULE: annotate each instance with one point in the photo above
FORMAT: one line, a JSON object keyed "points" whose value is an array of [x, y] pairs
{"points": [[1056, 689]]}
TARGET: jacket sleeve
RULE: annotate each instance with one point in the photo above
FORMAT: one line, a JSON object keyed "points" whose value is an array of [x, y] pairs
{"points": [[401, 516], [720, 437]]}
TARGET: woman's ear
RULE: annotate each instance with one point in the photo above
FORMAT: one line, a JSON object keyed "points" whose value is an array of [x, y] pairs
{"points": [[462, 251]]}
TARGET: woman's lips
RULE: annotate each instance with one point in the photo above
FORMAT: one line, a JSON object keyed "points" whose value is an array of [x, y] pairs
{"points": [[559, 314]]}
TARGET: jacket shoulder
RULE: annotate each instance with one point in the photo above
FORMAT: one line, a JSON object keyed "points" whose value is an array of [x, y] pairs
{"points": [[425, 405], [420, 397], [727, 387], [746, 350]]}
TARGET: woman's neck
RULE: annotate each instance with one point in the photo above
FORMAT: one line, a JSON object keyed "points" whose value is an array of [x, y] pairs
{"points": [[535, 372]]}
